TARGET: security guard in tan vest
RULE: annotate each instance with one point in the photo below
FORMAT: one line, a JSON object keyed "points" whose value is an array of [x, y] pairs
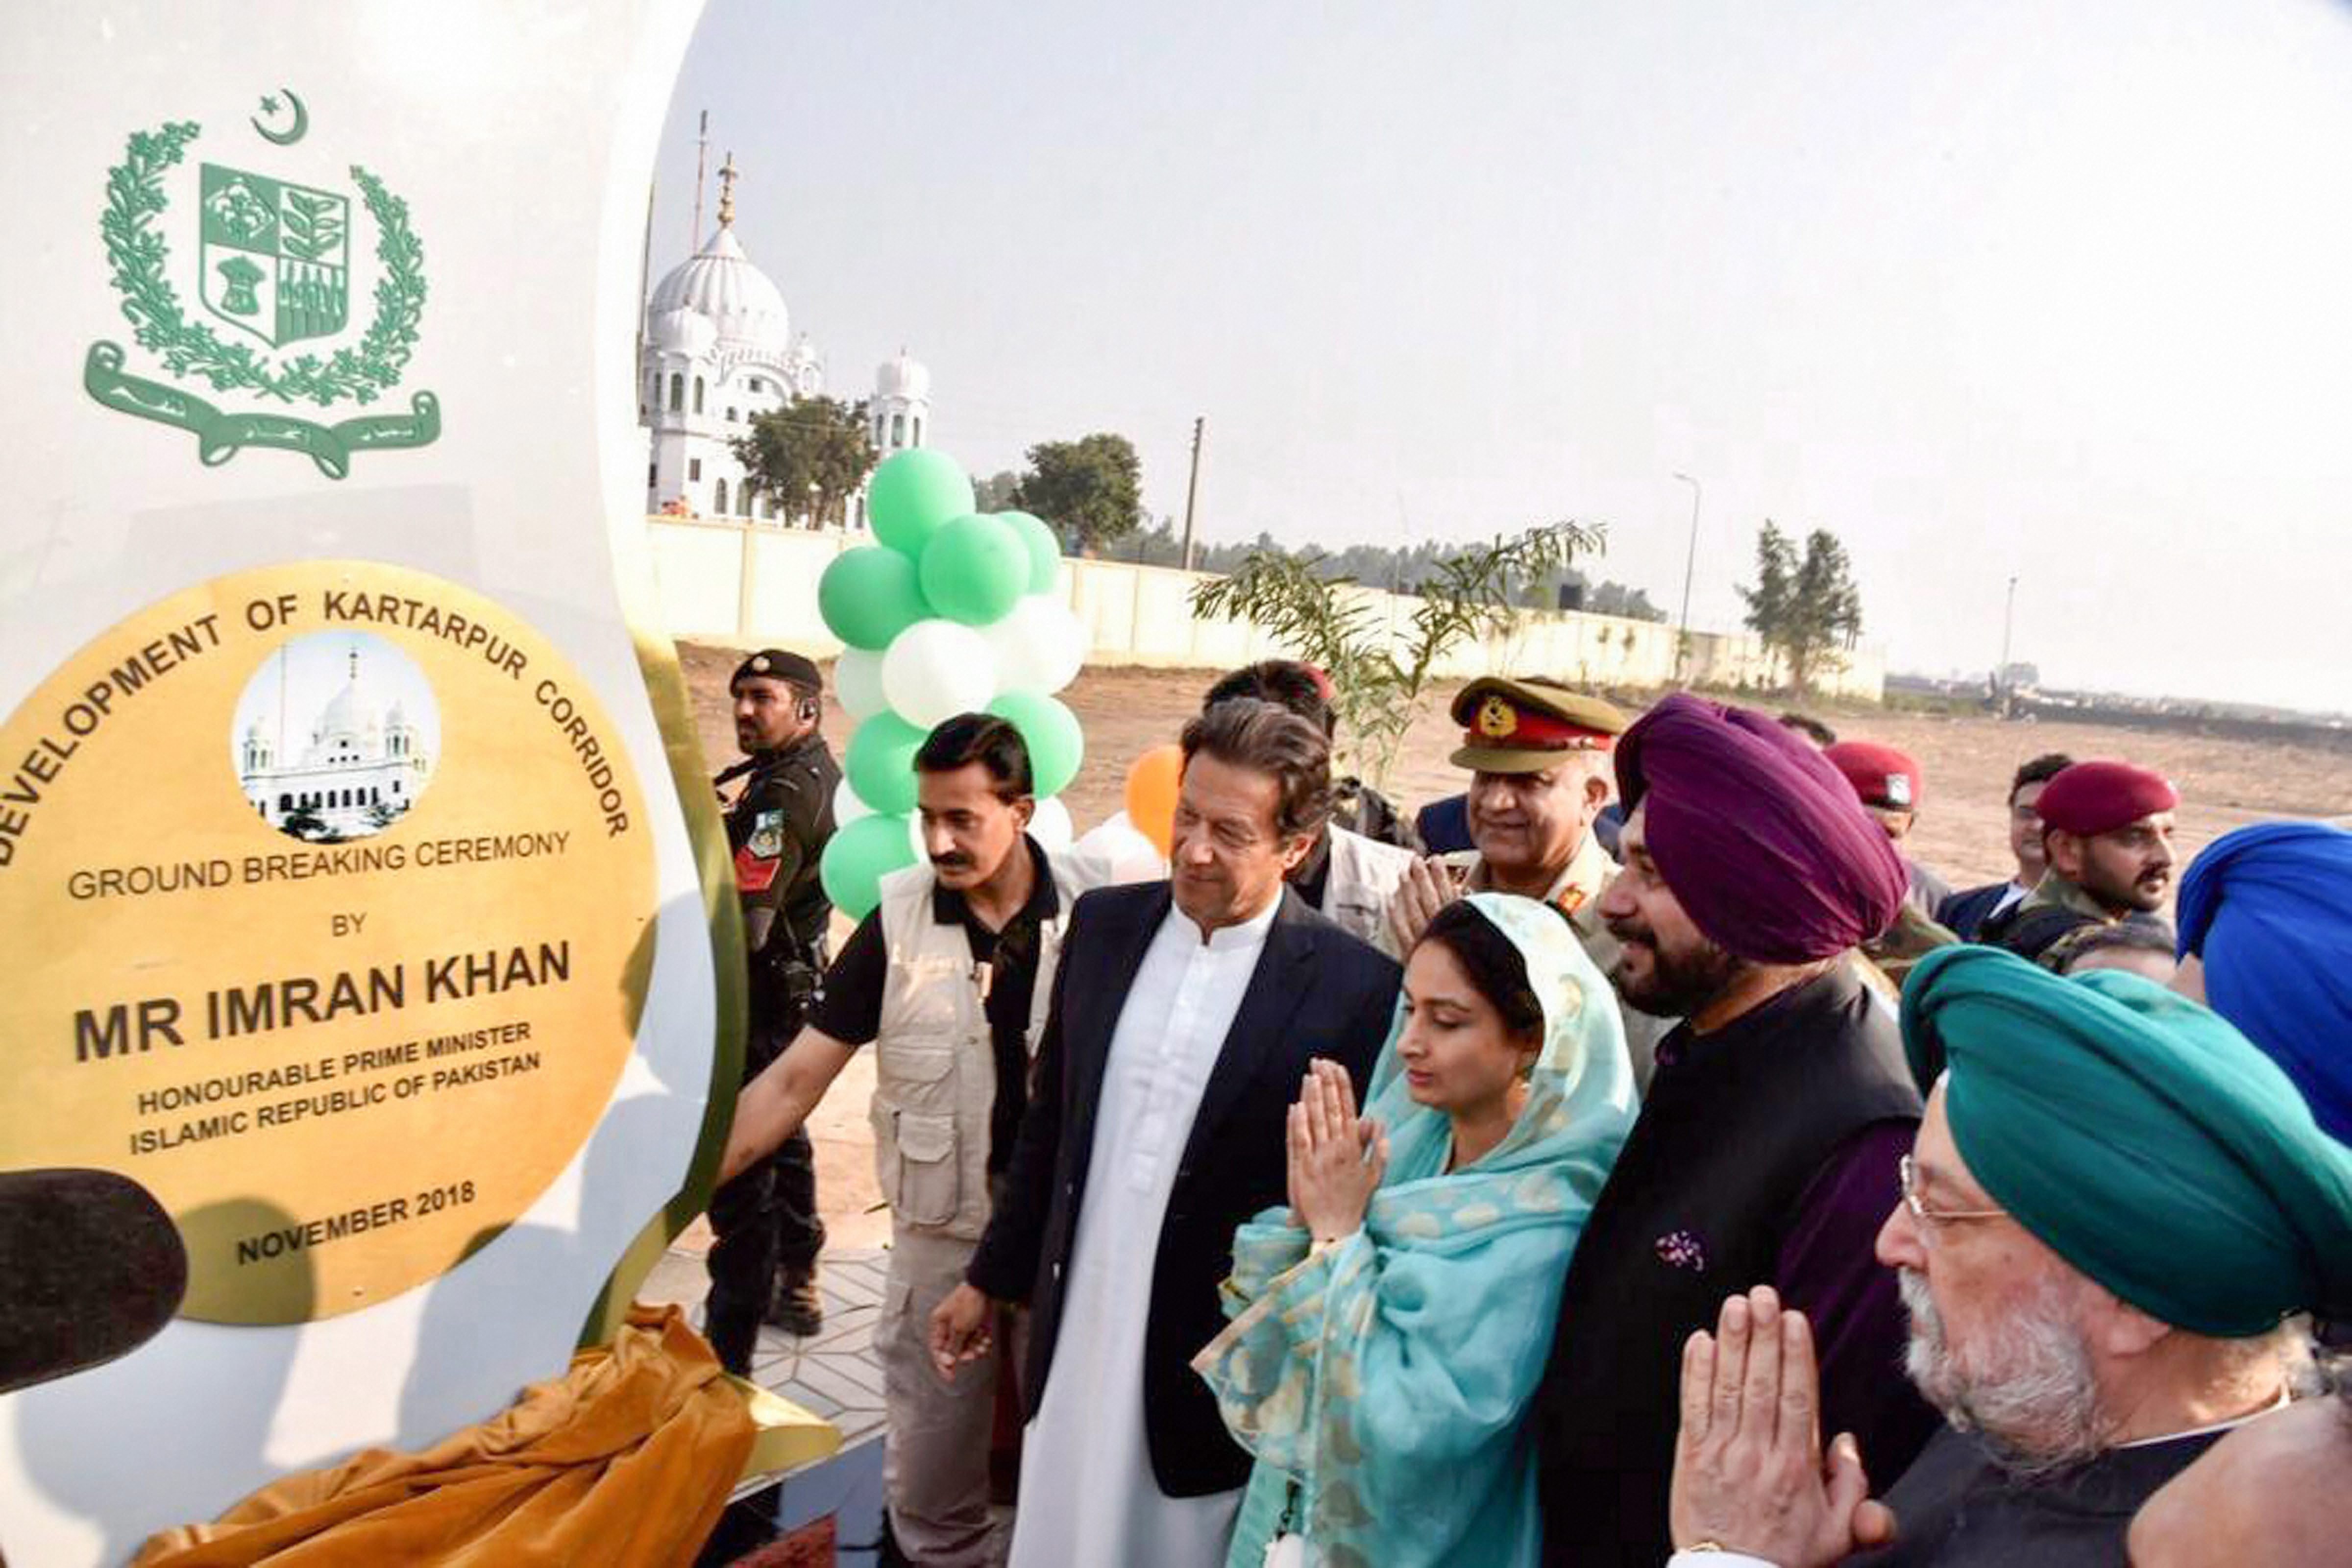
{"points": [[947, 982], [1540, 756]]}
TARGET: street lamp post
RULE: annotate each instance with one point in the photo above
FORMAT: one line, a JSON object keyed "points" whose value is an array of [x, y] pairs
{"points": [[1690, 562], [2000, 687]]}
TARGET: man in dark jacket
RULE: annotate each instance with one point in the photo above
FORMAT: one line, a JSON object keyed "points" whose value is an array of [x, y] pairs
{"points": [[2084, 1362], [1969, 914], [1184, 1015], [1768, 1145]]}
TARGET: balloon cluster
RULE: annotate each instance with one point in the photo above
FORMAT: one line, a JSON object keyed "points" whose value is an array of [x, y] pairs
{"points": [[952, 611]]}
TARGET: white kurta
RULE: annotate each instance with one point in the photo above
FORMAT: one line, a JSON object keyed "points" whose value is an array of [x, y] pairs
{"points": [[1087, 1491]]}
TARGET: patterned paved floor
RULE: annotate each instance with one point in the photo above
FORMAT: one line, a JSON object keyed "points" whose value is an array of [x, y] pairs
{"points": [[834, 1373]]}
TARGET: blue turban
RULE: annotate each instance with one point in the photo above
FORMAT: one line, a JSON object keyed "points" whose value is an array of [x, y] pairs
{"points": [[2269, 909], [2140, 1137]]}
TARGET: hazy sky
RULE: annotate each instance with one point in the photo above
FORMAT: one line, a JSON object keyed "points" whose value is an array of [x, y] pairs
{"points": [[2058, 291]]}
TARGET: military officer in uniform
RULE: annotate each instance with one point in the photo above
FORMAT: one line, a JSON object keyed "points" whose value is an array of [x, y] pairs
{"points": [[1540, 761], [767, 1234]]}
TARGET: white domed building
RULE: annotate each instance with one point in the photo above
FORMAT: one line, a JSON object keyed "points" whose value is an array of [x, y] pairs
{"points": [[361, 768], [718, 351]]}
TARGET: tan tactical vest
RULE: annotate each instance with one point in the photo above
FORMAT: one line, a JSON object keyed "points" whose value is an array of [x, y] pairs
{"points": [[934, 1066]]}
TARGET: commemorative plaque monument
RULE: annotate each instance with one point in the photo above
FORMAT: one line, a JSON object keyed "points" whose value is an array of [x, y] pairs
{"points": [[364, 902]]}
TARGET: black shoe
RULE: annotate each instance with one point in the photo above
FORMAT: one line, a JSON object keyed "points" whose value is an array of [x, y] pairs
{"points": [[797, 1309]]}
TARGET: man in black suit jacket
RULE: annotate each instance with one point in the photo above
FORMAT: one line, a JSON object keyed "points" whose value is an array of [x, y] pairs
{"points": [[1184, 1015], [1980, 913]]}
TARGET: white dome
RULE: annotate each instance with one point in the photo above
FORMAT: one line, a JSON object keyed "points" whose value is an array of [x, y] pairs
{"points": [[346, 714], [903, 378], [685, 332], [720, 282]]}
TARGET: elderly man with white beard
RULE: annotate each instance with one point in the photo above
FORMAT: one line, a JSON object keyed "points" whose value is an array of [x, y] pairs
{"points": [[2114, 1207]]}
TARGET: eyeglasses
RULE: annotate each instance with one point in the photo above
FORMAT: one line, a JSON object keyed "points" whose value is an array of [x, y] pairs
{"points": [[1931, 1218]]}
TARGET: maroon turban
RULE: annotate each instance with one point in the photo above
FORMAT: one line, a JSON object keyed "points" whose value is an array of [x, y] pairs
{"points": [[1881, 775], [2098, 796], [1758, 836]]}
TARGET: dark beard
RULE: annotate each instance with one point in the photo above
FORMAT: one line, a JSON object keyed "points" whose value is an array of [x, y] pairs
{"points": [[1678, 985]]}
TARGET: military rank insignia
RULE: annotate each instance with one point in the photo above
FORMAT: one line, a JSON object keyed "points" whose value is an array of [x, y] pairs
{"points": [[762, 853], [1496, 718], [767, 840]]}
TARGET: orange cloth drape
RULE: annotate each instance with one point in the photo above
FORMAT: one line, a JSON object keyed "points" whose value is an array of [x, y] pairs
{"points": [[626, 1459]]}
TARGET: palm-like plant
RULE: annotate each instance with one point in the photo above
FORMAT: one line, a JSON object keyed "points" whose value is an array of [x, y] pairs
{"points": [[1379, 675]]}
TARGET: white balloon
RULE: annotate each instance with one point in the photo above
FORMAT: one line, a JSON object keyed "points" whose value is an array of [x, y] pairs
{"points": [[857, 683], [1039, 645], [1051, 826], [847, 806], [937, 669], [1115, 851]]}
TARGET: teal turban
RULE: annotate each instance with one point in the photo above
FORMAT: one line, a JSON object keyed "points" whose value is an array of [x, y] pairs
{"points": [[2140, 1137]]}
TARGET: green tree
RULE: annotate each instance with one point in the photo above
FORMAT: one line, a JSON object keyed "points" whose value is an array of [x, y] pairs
{"points": [[1089, 489], [1806, 610], [1379, 681], [810, 455], [997, 492], [309, 827]]}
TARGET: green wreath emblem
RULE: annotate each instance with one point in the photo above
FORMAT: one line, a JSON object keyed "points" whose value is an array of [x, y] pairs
{"points": [[134, 195]]}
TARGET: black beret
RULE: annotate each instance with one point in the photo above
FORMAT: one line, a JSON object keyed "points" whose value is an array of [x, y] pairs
{"points": [[776, 664]]}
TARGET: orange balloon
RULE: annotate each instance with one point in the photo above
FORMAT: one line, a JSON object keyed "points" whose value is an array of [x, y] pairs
{"points": [[1152, 795]]}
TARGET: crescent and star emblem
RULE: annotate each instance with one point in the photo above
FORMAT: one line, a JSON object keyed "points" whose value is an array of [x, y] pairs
{"points": [[1495, 718], [270, 107]]}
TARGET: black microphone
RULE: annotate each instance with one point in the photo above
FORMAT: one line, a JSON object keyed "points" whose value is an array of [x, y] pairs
{"points": [[91, 1269]]}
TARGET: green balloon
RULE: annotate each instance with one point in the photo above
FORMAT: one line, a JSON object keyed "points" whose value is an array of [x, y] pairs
{"points": [[912, 494], [1045, 550], [868, 595], [1056, 745], [975, 569], [881, 763], [856, 859]]}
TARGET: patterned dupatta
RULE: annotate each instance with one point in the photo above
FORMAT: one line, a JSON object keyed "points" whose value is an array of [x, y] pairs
{"points": [[1381, 1382]]}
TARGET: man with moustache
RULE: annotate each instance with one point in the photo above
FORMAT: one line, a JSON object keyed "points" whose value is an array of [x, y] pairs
{"points": [[2106, 829], [1767, 1145], [947, 980], [1971, 915], [1184, 1015], [2114, 1210], [766, 1233], [1538, 759]]}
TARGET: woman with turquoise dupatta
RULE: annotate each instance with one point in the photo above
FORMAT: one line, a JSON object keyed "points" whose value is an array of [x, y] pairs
{"points": [[1390, 1327]]}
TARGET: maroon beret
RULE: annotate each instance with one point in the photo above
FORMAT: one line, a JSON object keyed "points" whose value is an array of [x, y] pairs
{"points": [[1759, 838], [2100, 796], [1881, 775]]}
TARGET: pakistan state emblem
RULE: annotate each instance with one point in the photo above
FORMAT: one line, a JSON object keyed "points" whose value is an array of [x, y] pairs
{"points": [[273, 267]]}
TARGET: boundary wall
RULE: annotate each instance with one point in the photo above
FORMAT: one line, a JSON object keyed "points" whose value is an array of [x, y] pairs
{"points": [[748, 585]]}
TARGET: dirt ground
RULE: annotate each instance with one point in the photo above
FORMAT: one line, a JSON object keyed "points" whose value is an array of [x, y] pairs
{"points": [[1962, 830]]}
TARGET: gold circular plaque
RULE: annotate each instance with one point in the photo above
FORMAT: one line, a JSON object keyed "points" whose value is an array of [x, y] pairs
{"points": [[329, 893]]}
